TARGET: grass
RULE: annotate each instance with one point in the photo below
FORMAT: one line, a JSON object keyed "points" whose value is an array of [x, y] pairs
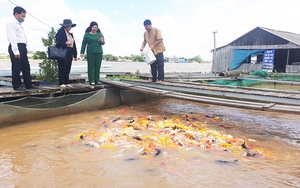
{"points": [[124, 77], [127, 77]]}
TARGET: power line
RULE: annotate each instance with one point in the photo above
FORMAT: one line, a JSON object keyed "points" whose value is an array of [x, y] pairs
{"points": [[200, 48], [32, 15], [35, 17]]}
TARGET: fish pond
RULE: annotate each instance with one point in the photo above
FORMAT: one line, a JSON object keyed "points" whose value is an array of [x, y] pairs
{"points": [[159, 143]]}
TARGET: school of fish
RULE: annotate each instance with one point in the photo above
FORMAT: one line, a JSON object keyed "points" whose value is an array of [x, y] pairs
{"points": [[151, 134]]}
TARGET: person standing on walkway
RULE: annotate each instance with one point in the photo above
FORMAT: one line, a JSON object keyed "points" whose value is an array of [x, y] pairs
{"points": [[153, 37], [93, 39], [65, 39], [17, 50]]}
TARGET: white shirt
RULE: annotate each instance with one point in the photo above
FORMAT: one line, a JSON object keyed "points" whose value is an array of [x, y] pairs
{"points": [[70, 39], [15, 34]]}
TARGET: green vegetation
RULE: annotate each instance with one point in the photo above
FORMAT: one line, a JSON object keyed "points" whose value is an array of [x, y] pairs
{"points": [[275, 74], [135, 58], [137, 72], [244, 73], [48, 68], [39, 55], [126, 77], [109, 57], [196, 59], [139, 58], [4, 57], [260, 73]]}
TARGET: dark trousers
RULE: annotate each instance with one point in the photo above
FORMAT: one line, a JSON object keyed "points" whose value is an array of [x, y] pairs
{"points": [[20, 65], [158, 67], [64, 68]]}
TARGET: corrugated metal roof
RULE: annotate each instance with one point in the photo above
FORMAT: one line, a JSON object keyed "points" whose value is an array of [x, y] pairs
{"points": [[292, 37]]}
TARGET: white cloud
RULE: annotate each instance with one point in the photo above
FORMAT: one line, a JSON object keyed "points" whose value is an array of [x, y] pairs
{"points": [[116, 42], [116, 12], [186, 33], [35, 29], [132, 6]]}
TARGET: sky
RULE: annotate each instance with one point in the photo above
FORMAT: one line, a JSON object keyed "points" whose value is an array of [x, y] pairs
{"points": [[187, 26]]}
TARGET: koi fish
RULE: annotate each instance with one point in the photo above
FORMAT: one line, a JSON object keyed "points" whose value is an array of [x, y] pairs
{"points": [[158, 151], [131, 159], [227, 162], [92, 145]]}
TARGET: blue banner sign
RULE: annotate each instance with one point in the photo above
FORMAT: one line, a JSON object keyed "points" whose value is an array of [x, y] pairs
{"points": [[268, 60]]}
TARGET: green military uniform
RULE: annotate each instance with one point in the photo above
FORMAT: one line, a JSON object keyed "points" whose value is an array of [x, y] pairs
{"points": [[94, 54]]}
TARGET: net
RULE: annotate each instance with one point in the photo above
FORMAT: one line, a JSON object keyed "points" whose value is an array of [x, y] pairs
{"points": [[260, 74], [29, 108]]}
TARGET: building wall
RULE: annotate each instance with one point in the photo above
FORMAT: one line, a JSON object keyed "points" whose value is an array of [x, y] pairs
{"points": [[292, 69], [222, 59], [224, 56]]}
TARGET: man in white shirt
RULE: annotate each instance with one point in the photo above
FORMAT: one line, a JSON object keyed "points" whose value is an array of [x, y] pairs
{"points": [[18, 51]]}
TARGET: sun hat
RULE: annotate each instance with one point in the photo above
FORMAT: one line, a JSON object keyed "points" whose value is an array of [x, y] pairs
{"points": [[67, 23]]}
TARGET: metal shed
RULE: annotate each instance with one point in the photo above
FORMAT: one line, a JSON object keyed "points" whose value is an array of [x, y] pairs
{"points": [[283, 48]]}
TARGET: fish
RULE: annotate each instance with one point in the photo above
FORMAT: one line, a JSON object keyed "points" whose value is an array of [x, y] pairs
{"points": [[171, 131], [227, 162], [158, 151], [224, 126], [92, 144], [114, 120], [150, 119], [137, 138], [131, 159], [250, 155], [253, 153], [244, 145]]}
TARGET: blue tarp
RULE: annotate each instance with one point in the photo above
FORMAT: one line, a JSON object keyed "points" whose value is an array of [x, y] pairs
{"points": [[240, 55]]}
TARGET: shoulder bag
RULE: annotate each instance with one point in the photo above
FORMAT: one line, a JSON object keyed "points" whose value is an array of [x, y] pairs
{"points": [[56, 53]]}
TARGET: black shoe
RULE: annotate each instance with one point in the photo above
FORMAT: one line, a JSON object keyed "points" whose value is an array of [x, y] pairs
{"points": [[98, 83], [32, 87], [19, 89]]}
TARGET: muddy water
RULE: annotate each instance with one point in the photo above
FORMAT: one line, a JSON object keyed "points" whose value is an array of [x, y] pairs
{"points": [[71, 150]]}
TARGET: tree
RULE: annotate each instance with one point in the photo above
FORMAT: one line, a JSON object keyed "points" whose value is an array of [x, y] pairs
{"points": [[48, 68], [138, 58], [109, 57], [196, 59], [39, 55]]}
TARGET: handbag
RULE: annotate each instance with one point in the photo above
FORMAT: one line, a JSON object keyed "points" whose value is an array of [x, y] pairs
{"points": [[56, 53]]}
